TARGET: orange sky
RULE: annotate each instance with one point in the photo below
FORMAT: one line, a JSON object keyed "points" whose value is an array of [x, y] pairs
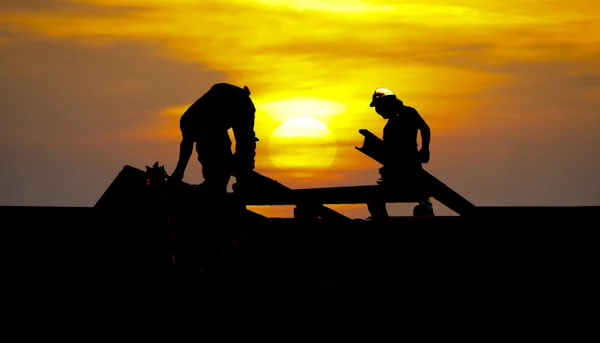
{"points": [[510, 89]]}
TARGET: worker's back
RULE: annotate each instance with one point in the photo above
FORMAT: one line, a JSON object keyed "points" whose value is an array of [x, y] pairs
{"points": [[221, 108], [400, 132]]}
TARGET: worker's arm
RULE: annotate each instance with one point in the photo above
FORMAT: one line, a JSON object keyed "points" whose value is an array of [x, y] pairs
{"points": [[245, 141], [425, 138], [185, 152]]}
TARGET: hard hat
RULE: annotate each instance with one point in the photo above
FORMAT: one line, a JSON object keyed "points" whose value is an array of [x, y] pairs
{"points": [[381, 93]]}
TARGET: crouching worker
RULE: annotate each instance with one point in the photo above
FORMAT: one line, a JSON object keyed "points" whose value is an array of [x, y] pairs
{"points": [[402, 158], [205, 124]]}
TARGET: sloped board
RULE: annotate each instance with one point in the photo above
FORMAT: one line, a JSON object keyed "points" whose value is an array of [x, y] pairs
{"points": [[128, 191], [373, 147], [327, 196]]}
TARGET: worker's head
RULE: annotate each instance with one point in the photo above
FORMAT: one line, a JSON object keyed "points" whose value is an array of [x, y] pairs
{"points": [[385, 102]]}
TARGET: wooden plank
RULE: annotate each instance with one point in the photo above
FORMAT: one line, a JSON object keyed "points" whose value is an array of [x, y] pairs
{"points": [[271, 192], [327, 196], [373, 147]]}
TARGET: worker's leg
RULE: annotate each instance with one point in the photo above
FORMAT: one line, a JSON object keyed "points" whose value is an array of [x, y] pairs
{"points": [[376, 203], [424, 207], [214, 153], [400, 178], [377, 209], [199, 245]]}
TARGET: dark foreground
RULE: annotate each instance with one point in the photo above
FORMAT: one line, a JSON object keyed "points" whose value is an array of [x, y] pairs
{"points": [[500, 272], [525, 251]]}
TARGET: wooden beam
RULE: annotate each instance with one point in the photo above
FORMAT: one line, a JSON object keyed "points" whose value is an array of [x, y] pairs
{"points": [[328, 195], [272, 192]]}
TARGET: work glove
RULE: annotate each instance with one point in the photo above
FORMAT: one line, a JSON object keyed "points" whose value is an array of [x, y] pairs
{"points": [[424, 155]]}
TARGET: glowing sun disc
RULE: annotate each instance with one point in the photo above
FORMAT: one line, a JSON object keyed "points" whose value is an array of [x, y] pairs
{"points": [[302, 145]]}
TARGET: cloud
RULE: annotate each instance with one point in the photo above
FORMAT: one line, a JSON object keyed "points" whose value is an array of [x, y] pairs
{"points": [[309, 47], [68, 7], [36, 5], [74, 88], [552, 95], [64, 107], [530, 140]]}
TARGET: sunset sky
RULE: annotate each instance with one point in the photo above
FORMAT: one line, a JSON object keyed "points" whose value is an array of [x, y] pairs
{"points": [[510, 89]]}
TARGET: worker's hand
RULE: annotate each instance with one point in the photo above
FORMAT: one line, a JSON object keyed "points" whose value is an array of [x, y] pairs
{"points": [[424, 155]]}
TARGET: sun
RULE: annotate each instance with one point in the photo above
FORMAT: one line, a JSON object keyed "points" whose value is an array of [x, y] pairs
{"points": [[302, 146]]}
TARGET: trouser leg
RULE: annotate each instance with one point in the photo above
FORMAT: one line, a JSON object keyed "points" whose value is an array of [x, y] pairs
{"points": [[198, 245], [377, 209], [216, 176], [215, 156], [376, 204], [400, 178]]}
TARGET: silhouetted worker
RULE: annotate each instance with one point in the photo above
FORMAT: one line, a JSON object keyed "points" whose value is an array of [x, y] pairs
{"points": [[402, 158], [206, 123]]}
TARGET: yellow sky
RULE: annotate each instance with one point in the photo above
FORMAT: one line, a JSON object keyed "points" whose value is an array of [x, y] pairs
{"points": [[323, 59]]}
